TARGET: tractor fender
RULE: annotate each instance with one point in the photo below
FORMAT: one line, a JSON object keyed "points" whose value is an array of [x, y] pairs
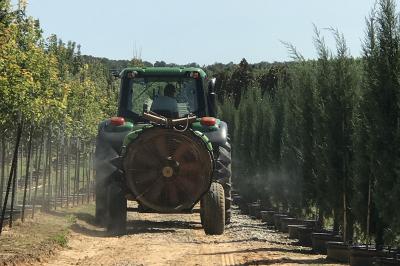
{"points": [[110, 137], [219, 137], [108, 148]]}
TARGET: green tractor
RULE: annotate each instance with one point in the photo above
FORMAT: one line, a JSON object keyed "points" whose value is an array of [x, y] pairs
{"points": [[166, 150]]}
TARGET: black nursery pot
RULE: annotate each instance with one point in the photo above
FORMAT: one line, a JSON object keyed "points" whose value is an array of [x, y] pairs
{"points": [[364, 256], [294, 230], [386, 261], [305, 236], [338, 251], [237, 200], [319, 241], [277, 220], [244, 207], [309, 223], [285, 222], [254, 209], [267, 217]]}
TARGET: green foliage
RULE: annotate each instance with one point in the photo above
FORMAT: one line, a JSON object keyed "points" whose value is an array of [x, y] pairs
{"points": [[47, 81], [322, 138], [61, 238], [378, 139], [71, 219], [240, 81]]}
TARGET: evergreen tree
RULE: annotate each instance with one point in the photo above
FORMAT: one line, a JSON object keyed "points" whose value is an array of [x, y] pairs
{"points": [[240, 82], [380, 101]]}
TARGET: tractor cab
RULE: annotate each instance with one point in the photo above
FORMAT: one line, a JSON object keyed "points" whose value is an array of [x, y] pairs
{"points": [[170, 92]]}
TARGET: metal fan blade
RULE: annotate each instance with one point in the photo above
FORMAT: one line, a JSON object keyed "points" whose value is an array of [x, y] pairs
{"points": [[161, 145], [151, 152], [172, 193], [155, 190], [189, 187], [191, 170], [145, 160], [183, 150], [144, 175]]}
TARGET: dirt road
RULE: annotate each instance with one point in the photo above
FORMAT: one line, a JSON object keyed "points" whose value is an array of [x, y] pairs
{"points": [[155, 239]]}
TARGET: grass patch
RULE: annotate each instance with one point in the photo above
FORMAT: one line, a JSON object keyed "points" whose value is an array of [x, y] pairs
{"points": [[71, 218], [61, 238]]}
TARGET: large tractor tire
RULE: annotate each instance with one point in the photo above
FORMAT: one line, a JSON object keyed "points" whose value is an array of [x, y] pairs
{"points": [[105, 173], [102, 177], [117, 209], [101, 203], [223, 173], [212, 211]]}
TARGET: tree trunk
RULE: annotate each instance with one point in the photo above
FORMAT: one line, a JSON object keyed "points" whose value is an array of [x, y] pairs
{"points": [[320, 217], [61, 182], [83, 170], [3, 166], [28, 162], [13, 193], [46, 160], [88, 176], [38, 175], [335, 220], [50, 189], [56, 185], [35, 151], [12, 172], [76, 171], [18, 177], [93, 174], [68, 173]]}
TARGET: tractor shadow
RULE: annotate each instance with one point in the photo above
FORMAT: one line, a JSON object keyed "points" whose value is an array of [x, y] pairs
{"points": [[149, 226], [86, 225]]}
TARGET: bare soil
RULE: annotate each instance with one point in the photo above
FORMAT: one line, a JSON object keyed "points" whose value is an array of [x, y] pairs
{"points": [[35, 238], [155, 239]]}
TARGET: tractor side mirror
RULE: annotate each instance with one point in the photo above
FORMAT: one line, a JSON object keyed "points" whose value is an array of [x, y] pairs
{"points": [[212, 98], [115, 73], [211, 85]]}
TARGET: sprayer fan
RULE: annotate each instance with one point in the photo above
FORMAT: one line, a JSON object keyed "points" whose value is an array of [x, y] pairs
{"points": [[167, 170]]}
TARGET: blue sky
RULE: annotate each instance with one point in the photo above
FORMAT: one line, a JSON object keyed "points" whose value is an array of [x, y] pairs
{"points": [[200, 31]]}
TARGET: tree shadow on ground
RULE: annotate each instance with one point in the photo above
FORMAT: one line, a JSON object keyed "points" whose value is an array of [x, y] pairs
{"points": [[287, 242], [256, 226], [56, 213], [319, 261], [305, 252], [285, 252]]}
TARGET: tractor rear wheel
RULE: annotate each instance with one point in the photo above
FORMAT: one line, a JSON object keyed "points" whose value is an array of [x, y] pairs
{"points": [[223, 173], [212, 211], [117, 212], [101, 203], [101, 178]]}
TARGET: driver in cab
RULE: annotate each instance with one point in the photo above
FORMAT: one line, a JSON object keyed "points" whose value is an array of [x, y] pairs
{"points": [[166, 105]]}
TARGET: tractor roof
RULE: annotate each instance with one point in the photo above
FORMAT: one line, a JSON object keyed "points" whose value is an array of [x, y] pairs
{"points": [[164, 71]]}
